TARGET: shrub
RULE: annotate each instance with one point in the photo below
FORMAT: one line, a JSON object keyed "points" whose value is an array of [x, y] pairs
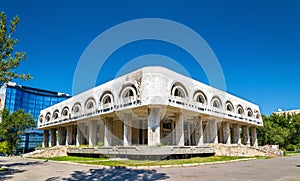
{"points": [[291, 147], [4, 147], [284, 151]]}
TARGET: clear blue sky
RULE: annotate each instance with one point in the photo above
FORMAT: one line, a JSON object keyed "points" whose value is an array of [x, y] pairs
{"points": [[256, 42]]}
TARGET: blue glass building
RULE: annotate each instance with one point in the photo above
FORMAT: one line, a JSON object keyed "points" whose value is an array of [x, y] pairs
{"points": [[31, 100]]}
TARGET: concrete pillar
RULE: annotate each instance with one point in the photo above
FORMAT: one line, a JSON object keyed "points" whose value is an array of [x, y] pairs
{"points": [[61, 133], [179, 129], [46, 138], [220, 133], [154, 126], [127, 137], [100, 134], [69, 135], [199, 131], [92, 127], [226, 133], [206, 137], [53, 137], [253, 137], [79, 136], [173, 132], [107, 132], [142, 132], [213, 131], [246, 138], [188, 127], [236, 134]]}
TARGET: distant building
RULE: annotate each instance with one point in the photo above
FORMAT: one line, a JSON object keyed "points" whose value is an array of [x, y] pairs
{"points": [[32, 101], [294, 111]]}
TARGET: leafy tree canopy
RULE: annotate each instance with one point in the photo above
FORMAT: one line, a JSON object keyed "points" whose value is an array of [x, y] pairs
{"points": [[282, 130], [9, 59], [13, 125]]}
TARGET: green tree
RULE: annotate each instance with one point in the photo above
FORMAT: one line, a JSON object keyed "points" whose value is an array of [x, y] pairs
{"points": [[9, 59], [4, 147], [13, 125], [282, 130]]}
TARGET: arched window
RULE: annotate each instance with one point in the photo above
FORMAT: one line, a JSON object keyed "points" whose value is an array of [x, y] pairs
{"points": [[257, 114], [128, 91], [178, 90], [106, 100], [229, 106], [55, 114], [90, 103], [249, 112], [41, 119], [216, 102], [200, 97], [65, 111], [76, 108], [240, 110], [48, 117]]}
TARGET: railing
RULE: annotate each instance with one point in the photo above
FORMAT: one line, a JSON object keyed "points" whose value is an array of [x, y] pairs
{"points": [[173, 101]]}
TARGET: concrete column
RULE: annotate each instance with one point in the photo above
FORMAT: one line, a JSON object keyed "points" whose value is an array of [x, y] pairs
{"points": [[154, 126], [74, 134], [213, 131], [236, 134], [226, 133], [100, 134], [253, 137], [107, 132], [92, 126], [61, 133], [46, 138], [246, 138], [173, 132], [69, 135], [53, 137], [179, 129], [188, 126], [79, 136], [220, 133], [206, 137], [199, 131], [127, 137]]}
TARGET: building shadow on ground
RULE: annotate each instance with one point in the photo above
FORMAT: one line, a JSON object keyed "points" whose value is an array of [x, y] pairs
{"points": [[119, 173], [10, 170], [20, 164], [8, 174]]}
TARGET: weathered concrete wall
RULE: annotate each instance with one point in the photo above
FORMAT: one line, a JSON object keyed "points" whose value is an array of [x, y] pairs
{"points": [[237, 150], [48, 152]]}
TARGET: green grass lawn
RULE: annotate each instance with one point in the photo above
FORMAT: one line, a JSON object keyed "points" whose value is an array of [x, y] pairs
{"points": [[291, 153], [108, 162]]}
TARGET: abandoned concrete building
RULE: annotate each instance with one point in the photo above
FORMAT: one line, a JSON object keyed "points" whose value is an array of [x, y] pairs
{"points": [[152, 106]]}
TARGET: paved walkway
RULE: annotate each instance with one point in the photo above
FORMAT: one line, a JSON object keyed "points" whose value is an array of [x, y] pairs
{"points": [[284, 168]]}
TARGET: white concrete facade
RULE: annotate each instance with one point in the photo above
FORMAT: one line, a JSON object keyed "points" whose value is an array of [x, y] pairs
{"points": [[151, 106]]}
